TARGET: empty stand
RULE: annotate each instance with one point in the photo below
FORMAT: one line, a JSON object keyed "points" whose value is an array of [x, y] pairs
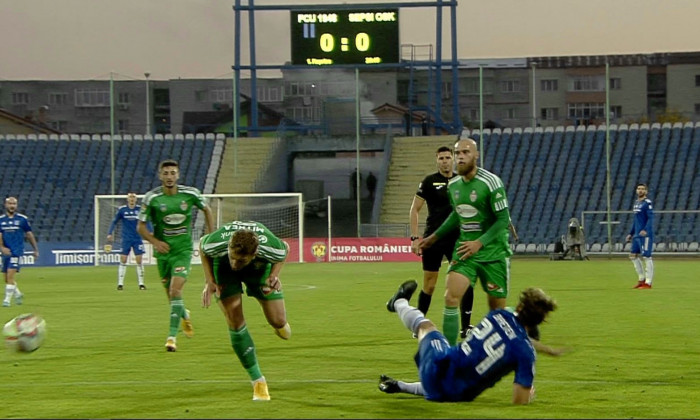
{"points": [[552, 175], [55, 177]]}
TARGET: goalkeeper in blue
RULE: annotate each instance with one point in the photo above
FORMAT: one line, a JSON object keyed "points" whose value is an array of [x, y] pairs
{"points": [[128, 215], [495, 347], [245, 255]]}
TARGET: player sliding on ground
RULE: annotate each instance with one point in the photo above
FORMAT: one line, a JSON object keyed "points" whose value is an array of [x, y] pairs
{"points": [[498, 345]]}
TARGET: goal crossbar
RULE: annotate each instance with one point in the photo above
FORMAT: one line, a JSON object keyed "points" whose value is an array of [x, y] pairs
{"points": [[282, 213]]}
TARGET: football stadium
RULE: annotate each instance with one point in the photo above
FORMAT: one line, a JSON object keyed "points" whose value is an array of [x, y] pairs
{"points": [[588, 163]]}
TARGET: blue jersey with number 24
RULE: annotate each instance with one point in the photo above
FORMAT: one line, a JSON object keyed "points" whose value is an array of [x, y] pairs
{"points": [[494, 348]]}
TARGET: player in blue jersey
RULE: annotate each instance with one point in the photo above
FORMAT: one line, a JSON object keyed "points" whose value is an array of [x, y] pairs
{"points": [[498, 345], [128, 215], [14, 229], [642, 237]]}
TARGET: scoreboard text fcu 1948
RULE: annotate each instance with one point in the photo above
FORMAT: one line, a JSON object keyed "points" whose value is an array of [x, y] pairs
{"points": [[345, 37]]}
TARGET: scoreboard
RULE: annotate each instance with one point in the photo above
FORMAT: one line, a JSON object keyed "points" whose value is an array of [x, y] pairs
{"points": [[357, 36]]}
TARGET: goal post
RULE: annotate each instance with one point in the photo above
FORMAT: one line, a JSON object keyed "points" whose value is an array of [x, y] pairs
{"points": [[282, 213]]}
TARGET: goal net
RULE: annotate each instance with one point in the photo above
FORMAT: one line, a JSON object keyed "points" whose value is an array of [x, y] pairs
{"points": [[282, 213]]}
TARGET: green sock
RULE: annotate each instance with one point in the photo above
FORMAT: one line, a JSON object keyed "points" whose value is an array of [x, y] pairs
{"points": [[177, 311], [243, 346], [450, 324]]}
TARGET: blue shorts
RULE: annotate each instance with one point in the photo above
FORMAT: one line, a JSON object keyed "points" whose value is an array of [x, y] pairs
{"points": [[431, 354], [135, 244], [642, 245], [10, 261]]}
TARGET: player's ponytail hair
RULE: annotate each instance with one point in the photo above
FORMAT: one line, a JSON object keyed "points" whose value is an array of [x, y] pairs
{"points": [[534, 306]]}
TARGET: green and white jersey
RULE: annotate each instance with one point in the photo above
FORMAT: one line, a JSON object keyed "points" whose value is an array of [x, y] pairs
{"points": [[479, 204], [171, 215], [271, 248]]}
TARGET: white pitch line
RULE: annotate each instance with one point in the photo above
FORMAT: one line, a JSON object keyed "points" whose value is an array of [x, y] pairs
{"points": [[35, 384], [297, 286]]}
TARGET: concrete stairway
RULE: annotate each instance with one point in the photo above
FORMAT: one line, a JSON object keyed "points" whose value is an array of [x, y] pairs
{"points": [[412, 158], [244, 159]]}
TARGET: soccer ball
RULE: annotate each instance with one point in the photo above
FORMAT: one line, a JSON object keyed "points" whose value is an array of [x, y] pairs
{"points": [[25, 333]]}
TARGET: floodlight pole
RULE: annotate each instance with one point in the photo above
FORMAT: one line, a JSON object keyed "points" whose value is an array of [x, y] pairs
{"points": [[148, 103]]}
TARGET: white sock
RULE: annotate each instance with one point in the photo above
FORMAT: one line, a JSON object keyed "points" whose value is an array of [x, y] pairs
{"points": [[139, 273], [9, 291], [410, 316], [415, 388], [638, 268], [121, 274], [17, 292], [650, 269]]}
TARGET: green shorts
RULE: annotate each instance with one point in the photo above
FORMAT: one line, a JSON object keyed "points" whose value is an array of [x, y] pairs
{"points": [[493, 275], [254, 275], [174, 265]]}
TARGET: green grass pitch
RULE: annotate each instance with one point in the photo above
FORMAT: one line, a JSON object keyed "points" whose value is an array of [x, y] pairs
{"points": [[634, 352]]}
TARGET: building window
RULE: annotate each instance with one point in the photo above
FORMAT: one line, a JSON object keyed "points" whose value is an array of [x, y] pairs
{"points": [[302, 114], [292, 89], [697, 109], [471, 86], [446, 90], [269, 94], [123, 98], [588, 83], [91, 98], [549, 85], [220, 96], [20, 98], [58, 99], [123, 126], [510, 86], [615, 83], [310, 89], [473, 114], [697, 80], [615, 111], [586, 110], [509, 114], [549, 114], [200, 95], [59, 125]]}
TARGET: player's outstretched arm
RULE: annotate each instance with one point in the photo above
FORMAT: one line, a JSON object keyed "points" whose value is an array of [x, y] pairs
{"points": [[521, 394]]}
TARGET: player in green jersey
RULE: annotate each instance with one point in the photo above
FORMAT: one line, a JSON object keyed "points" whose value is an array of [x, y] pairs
{"points": [[480, 212], [169, 209], [246, 253]]}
